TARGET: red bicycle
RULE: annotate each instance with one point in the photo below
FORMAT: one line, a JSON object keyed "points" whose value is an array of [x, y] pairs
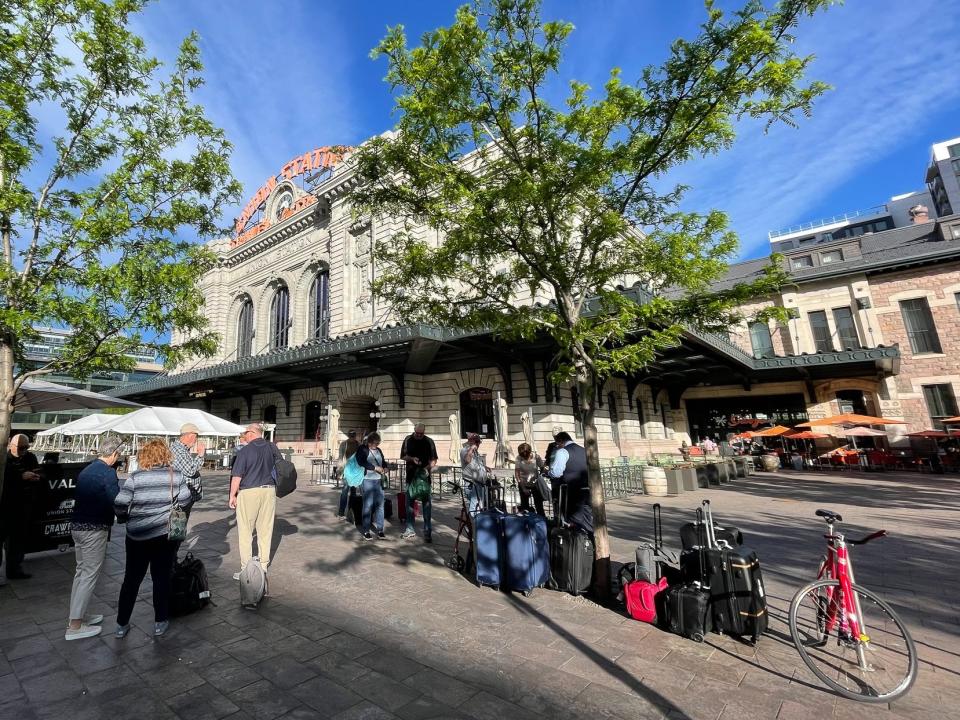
{"points": [[866, 656]]}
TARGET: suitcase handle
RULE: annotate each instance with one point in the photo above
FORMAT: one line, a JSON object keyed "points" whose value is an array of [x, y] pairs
{"points": [[701, 528], [657, 529]]}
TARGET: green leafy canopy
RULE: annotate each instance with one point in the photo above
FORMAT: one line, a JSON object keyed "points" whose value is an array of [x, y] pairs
{"points": [[108, 170], [561, 204]]}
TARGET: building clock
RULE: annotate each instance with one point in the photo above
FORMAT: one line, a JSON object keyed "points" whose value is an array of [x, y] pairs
{"points": [[284, 201]]}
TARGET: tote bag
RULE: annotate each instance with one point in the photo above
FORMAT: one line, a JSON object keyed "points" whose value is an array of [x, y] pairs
{"points": [[353, 474]]}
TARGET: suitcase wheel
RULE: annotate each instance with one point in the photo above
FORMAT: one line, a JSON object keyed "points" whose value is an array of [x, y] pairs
{"points": [[697, 637]]}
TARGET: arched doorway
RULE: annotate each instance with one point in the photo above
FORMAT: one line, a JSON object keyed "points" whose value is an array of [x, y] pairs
{"points": [[355, 414], [270, 414], [314, 416]]}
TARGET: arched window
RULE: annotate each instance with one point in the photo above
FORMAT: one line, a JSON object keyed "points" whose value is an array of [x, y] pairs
{"points": [[245, 330], [235, 416], [280, 319], [270, 414], [476, 412], [319, 306], [312, 420]]}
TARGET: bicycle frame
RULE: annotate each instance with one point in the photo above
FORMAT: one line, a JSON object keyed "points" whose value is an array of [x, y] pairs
{"points": [[844, 609]]}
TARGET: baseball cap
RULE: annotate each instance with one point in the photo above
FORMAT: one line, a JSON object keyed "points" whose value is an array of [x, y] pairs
{"points": [[189, 428]]}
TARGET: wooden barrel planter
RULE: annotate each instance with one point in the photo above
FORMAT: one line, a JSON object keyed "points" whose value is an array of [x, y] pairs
{"points": [[771, 463], [654, 481]]}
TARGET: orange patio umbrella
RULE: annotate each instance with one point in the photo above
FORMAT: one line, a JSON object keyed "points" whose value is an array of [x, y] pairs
{"points": [[774, 431], [952, 420], [852, 419], [928, 434], [807, 435]]}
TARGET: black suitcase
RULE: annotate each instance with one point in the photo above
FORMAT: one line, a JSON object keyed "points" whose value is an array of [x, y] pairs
{"points": [[737, 599], [571, 556], [689, 534], [686, 606], [355, 507], [387, 508]]}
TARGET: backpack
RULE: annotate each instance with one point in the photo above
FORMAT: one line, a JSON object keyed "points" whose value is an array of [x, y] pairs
{"points": [[285, 473], [189, 589], [353, 474], [253, 584]]}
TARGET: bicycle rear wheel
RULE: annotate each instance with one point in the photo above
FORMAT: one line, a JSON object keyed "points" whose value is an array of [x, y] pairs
{"points": [[877, 670]]}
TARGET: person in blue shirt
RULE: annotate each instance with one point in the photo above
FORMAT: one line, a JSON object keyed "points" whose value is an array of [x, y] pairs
{"points": [[93, 515], [568, 469]]}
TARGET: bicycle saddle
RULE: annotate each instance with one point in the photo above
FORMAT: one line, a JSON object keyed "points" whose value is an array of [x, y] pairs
{"points": [[830, 515]]}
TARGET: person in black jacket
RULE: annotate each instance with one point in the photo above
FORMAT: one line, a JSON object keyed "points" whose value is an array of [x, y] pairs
{"points": [[19, 476], [93, 514], [370, 458]]}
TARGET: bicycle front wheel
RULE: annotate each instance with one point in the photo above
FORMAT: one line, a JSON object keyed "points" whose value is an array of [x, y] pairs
{"points": [[877, 667]]}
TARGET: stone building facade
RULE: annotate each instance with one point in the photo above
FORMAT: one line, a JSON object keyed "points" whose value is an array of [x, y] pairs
{"points": [[306, 346]]}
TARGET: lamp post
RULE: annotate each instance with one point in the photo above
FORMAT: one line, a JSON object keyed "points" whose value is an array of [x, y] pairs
{"points": [[377, 414]]}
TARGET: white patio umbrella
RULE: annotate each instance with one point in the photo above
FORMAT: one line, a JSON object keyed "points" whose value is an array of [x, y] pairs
{"points": [[40, 395], [526, 420], [454, 454], [503, 446], [333, 433], [856, 432]]}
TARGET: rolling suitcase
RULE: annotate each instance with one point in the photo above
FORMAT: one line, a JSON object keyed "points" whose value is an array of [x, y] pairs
{"points": [[689, 535], [526, 552], [686, 606], [355, 507], [571, 555], [737, 599], [487, 547]]}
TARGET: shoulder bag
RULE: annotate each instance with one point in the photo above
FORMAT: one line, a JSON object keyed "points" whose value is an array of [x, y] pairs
{"points": [[353, 474], [177, 523], [419, 487]]}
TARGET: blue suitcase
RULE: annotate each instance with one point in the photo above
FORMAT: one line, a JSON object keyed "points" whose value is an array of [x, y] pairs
{"points": [[526, 552], [487, 546]]}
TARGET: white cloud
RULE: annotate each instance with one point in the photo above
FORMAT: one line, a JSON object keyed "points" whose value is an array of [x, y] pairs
{"points": [[892, 65]]}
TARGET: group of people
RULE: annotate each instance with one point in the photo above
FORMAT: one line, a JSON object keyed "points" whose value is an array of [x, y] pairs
{"points": [[564, 465], [167, 478]]}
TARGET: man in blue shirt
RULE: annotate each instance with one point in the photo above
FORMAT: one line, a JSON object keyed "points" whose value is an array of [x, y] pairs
{"points": [[253, 494]]}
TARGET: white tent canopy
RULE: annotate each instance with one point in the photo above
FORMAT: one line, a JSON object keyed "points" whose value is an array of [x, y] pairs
{"points": [[78, 426], [154, 421]]}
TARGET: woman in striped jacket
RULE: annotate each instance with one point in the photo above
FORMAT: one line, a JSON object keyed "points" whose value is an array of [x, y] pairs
{"points": [[146, 498]]}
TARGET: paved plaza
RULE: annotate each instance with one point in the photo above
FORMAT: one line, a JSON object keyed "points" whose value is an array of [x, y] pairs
{"points": [[383, 629]]}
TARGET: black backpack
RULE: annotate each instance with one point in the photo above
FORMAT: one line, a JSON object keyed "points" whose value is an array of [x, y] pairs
{"points": [[286, 474], [189, 590]]}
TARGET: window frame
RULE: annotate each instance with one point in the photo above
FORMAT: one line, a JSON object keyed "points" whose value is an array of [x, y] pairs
{"points": [[280, 309], [246, 329], [826, 253], [923, 341], [319, 319], [856, 344], [946, 403], [824, 343], [795, 263], [766, 349]]}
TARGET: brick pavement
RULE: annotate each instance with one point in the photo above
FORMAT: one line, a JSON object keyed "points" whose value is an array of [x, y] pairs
{"points": [[385, 630]]}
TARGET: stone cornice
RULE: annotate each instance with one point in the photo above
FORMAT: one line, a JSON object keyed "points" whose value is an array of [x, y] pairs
{"points": [[288, 228]]}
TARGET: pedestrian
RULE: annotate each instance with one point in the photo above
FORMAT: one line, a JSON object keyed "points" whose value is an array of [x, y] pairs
{"points": [[370, 457], [16, 504], [348, 448], [474, 473], [188, 455], [527, 473], [147, 498], [420, 453], [569, 469], [253, 494], [93, 515]]}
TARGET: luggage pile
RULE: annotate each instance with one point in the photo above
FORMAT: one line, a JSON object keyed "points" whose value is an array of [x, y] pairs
{"points": [[715, 586]]}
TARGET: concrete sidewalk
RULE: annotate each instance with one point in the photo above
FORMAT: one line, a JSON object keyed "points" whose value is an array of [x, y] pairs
{"points": [[383, 629]]}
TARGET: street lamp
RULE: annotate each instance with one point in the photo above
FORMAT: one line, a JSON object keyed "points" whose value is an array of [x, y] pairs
{"points": [[377, 414]]}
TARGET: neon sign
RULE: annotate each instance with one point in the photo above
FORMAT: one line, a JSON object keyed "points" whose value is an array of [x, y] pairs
{"points": [[321, 159]]}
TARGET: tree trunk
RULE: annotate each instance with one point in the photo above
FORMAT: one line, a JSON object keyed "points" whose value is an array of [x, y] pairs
{"points": [[6, 402], [586, 389]]}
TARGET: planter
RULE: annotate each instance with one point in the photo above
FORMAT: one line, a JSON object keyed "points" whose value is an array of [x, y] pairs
{"points": [[674, 480], [771, 463], [654, 481], [688, 478], [713, 473], [740, 463], [703, 477], [731, 470]]}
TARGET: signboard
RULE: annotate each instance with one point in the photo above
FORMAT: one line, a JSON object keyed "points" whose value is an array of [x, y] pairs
{"points": [[52, 507], [320, 160]]}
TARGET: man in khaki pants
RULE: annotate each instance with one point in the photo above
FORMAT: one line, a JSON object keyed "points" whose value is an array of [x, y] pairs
{"points": [[253, 494]]}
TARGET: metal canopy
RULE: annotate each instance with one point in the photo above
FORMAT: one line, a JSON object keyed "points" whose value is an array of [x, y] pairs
{"points": [[700, 359]]}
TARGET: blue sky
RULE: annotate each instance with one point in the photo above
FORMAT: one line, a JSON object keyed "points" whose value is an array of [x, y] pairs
{"points": [[283, 78]]}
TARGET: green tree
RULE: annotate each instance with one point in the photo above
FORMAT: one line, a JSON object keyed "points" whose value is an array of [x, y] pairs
{"points": [[105, 167], [562, 203]]}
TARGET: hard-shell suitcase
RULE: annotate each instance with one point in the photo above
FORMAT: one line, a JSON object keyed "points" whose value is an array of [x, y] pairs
{"points": [[737, 600], [526, 552], [487, 546], [402, 507], [725, 534], [387, 508], [686, 606], [355, 507], [571, 556], [653, 561]]}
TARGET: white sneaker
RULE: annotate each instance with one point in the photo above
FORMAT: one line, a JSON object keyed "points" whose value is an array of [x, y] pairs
{"points": [[236, 576], [93, 619], [84, 631]]}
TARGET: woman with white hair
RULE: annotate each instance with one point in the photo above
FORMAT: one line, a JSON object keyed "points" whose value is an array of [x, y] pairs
{"points": [[93, 515]]}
